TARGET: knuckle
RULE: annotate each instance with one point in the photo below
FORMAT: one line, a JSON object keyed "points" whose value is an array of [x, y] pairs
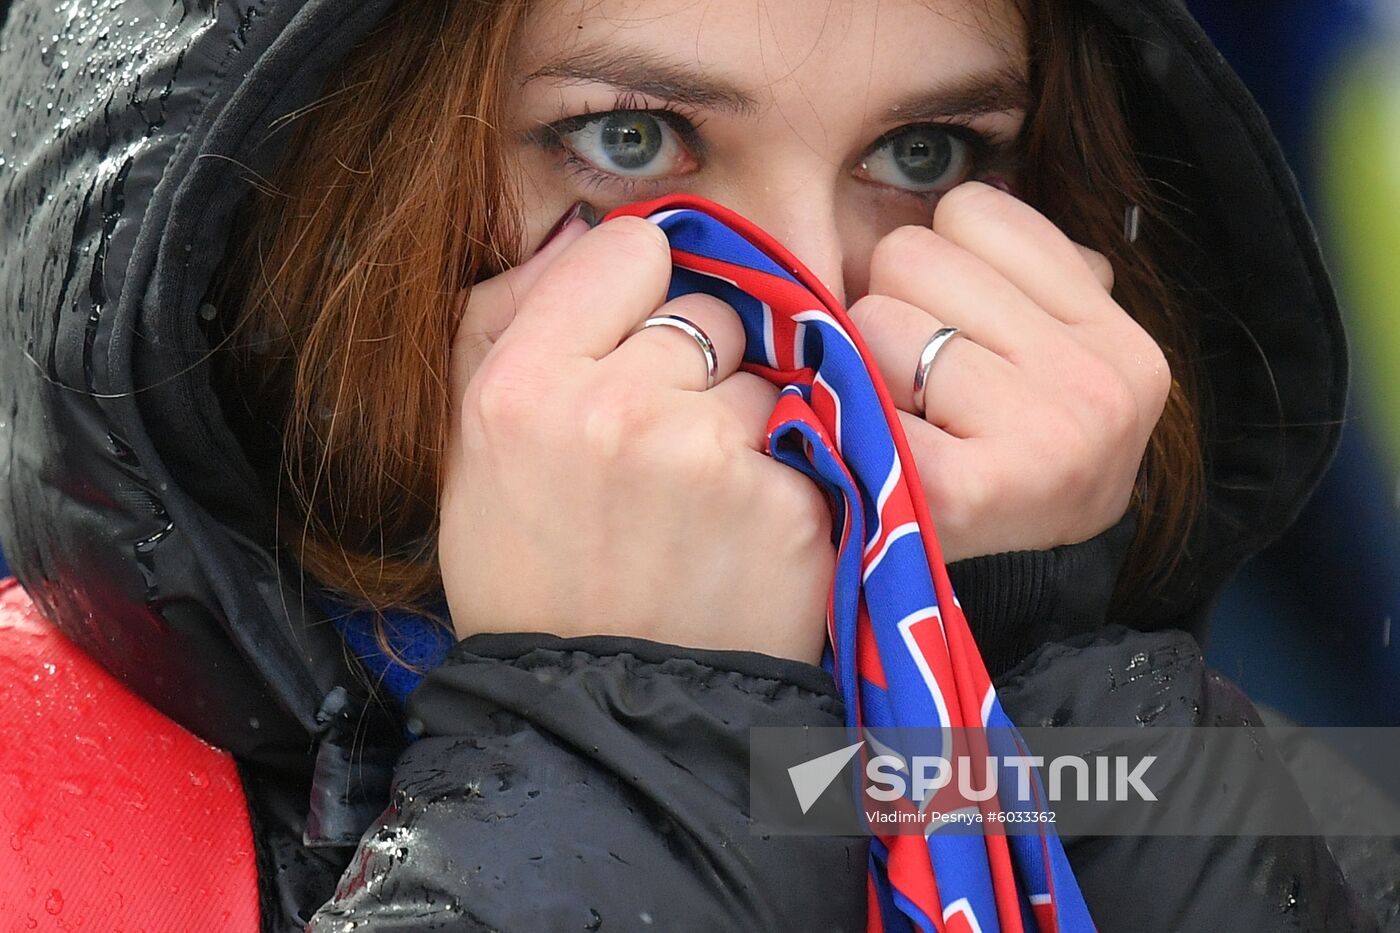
{"points": [[901, 246], [1109, 397], [611, 420], [1100, 265], [1119, 404], [1158, 374], [968, 204], [706, 462], [500, 400]]}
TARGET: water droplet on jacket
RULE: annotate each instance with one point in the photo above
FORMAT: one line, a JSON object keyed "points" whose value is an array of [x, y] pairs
{"points": [[1147, 714], [198, 779], [1290, 896], [54, 905], [595, 920]]}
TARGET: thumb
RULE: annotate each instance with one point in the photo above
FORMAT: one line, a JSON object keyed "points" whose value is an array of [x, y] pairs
{"points": [[492, 303], [488, 307]]}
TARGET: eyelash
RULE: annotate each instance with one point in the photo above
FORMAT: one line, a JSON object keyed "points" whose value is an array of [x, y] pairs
{"points": [[686, 123], [989, 154]]}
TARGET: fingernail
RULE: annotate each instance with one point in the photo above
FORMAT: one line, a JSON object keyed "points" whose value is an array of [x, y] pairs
{"points": [[1001, 184], [581, 209]]}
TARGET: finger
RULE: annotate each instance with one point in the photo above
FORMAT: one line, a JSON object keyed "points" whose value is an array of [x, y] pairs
{"points": [[1024, 246], [969, 391], [920, 267], [597, 289], [664, 355], [491, 305], [943, 463], [1058, 275], [745, 403], [1098, 264]]}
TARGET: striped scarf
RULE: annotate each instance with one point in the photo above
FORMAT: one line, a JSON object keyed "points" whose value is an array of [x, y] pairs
{"points": [[900, 648]]}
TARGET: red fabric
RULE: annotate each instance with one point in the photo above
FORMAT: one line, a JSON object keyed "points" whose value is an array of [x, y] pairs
{"points": [[112, 817]]}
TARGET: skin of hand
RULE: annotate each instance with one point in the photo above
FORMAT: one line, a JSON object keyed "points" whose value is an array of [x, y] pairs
{"points": [[594, 486], [1038, 414]]}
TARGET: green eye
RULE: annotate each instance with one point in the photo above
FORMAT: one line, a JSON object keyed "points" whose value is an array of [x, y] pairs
{"points": [[920, 158], [628, 143], [630, 140]]}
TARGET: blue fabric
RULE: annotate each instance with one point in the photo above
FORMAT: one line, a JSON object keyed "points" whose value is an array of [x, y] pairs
{"points": [[418, 640]]}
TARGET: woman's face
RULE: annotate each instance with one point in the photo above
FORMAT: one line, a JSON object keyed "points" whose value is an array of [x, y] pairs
{"points": [[828, 123]]}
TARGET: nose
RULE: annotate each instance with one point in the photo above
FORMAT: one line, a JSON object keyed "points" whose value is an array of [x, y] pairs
{"points": [[805, 222]]}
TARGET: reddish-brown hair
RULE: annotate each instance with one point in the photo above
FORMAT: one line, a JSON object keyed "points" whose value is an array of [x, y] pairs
{"points": [[392, 194]]}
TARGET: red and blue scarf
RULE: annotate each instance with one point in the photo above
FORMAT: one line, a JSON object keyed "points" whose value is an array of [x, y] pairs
{"points": [[899, 646]]}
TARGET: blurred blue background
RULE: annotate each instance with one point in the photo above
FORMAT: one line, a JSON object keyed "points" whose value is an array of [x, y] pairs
{"points": [[1307, 627]]}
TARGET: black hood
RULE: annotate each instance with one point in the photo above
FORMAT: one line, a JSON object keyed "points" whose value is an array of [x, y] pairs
{"points": [[127, 507]]}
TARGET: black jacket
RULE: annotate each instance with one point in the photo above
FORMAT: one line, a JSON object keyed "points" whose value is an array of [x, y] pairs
{"points": [[594, 783]]}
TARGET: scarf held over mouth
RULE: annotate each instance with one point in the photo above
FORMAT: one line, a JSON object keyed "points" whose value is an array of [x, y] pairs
{"points": [[899, 646]]}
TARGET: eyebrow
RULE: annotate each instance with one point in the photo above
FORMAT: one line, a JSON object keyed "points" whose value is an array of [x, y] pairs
{"points": [[1000, 90], [646, 73]]}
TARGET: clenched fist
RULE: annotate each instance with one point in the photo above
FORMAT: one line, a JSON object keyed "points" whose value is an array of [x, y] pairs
{"points": [[595, 486], [1038, 413]]}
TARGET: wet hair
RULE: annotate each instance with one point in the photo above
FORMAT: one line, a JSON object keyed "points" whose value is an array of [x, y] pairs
{"points": [[393, 192]]}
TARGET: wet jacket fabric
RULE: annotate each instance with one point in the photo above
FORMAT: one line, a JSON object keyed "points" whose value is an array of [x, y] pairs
{"points": [[594, 783]]}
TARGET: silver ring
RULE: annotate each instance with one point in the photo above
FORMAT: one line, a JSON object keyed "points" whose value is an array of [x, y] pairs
{"points": [[935, 343], [707, 346]]}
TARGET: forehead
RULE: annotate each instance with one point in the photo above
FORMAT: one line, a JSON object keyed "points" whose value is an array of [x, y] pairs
{"points": [[772, 47]]}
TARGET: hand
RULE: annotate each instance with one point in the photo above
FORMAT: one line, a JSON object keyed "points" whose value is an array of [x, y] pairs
{"points": [[594, 486], [1038, 413]]}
